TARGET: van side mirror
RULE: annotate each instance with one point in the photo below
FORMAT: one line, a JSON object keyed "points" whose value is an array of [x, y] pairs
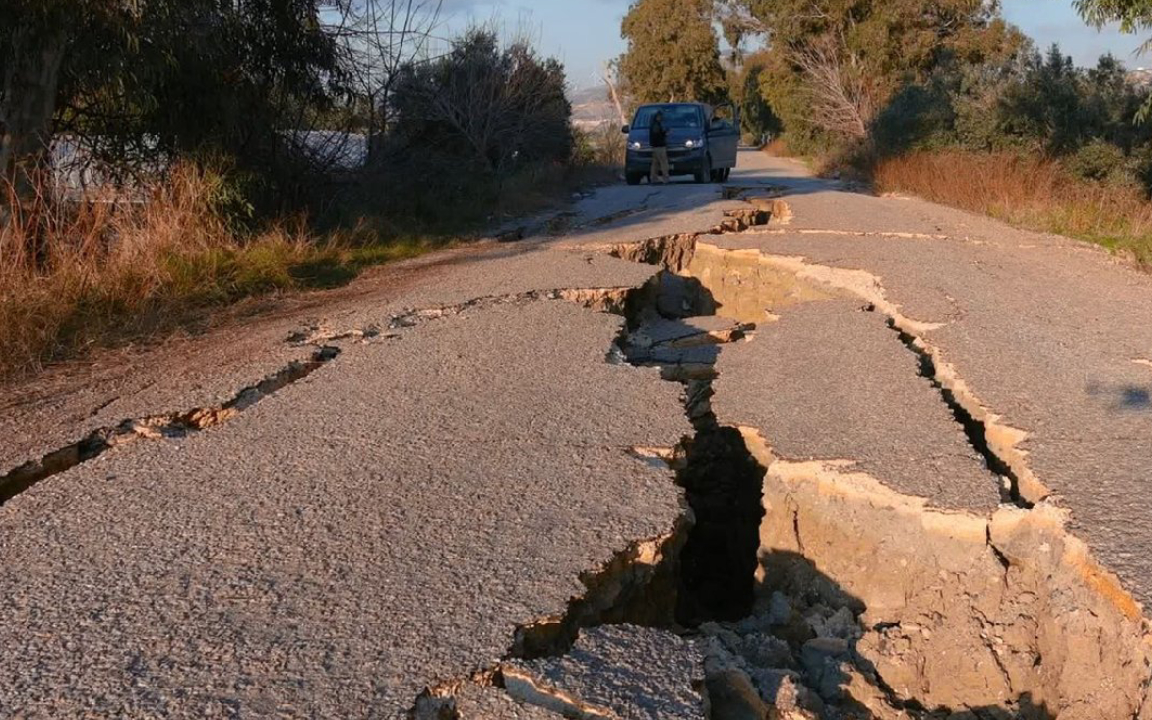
{"points": [[627, 129]]}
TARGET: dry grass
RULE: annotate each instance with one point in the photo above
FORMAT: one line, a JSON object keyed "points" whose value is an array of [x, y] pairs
{"points": [[99, 273], [777, 147], [78, 276], [1026, 191]]}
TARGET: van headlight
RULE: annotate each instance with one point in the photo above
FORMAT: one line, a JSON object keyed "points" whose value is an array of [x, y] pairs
{"points": [[634, 146], [694, 144]]}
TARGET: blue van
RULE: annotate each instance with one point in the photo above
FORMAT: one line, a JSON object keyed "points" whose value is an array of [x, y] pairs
{"points": [[700, 142]]}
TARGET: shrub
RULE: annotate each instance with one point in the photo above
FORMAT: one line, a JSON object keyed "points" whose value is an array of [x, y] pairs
{"points": [[1101, 161], [485, 109], [76, 275]]}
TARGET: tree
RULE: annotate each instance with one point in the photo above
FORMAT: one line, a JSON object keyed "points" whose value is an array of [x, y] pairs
{"points": [[673, 52], [610, 76], [757, 116], [45, 45], [1133, 15], [834, 64], [379, 39], [158, 79], [485, 108]]}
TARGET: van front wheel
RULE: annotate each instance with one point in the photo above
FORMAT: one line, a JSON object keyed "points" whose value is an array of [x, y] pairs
{"points": [[704, 174]]}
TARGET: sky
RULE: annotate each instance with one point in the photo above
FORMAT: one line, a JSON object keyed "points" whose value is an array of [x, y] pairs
{"points": [[585, 33]]}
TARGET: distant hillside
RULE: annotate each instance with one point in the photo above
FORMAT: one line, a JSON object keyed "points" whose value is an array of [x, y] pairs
{"points": [[592, 108], [1141, 77]]}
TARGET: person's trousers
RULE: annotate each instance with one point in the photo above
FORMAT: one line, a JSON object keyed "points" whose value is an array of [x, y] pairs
{"points": [[660, 164]]}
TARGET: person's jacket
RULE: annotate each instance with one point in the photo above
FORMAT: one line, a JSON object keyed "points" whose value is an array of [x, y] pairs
{"points": [[657, 135]]}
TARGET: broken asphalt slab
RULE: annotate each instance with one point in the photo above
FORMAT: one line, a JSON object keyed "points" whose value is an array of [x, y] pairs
{"points": [[1044, 331], [68, 404], [382, 526], [832, 382]]}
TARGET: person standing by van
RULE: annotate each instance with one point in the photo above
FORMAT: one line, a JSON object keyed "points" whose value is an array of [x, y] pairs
{"points": [[658, 139]]}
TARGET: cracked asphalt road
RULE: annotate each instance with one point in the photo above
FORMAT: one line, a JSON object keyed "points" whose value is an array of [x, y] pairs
{"points": [[386, 524], [1046, 331], [362, 534]]}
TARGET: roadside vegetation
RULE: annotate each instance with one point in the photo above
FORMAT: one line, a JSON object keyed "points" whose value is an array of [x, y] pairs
{"points": [[207, 165], [938, 98], [1026, 191]]}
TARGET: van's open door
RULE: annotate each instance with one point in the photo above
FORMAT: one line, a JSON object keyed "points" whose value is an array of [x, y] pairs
{"points": [[724, 136]]}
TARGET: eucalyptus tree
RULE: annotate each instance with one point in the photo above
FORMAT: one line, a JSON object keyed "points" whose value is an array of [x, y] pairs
{"points": [[1134, 16], [673, 52]]}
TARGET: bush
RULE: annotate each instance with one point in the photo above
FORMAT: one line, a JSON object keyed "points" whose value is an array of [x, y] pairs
{"points": [[604, 147], [75, 276], [484, 109], [1103, 162]]}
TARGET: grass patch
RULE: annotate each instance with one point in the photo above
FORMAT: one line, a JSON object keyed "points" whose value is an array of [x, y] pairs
{"points": [[1031, 192], [339, 265], [96, 275]]}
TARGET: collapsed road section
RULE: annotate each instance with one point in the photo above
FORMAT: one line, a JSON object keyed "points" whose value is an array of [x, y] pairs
{"points": [[959, 604], [927, 574]]}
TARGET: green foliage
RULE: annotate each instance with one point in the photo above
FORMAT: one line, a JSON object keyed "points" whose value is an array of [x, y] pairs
{"points": [[1037, 104], [485, 106], [1047, 106], [468, 122], [757, 118], [673, 53], [1100, 161], [1132, 15], [145, 82], [833, 65]]}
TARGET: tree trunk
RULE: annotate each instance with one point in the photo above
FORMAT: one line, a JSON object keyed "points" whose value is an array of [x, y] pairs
{"points": [[31, 80], [606, 75]]}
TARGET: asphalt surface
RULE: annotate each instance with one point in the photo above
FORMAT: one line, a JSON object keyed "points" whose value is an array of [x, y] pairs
{"points": [[382, 526], [386, 524], [636, 673], [830, 381], [1049, 333]]}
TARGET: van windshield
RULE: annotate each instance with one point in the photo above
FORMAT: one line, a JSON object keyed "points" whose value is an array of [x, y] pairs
{"points": [[675, 116]]}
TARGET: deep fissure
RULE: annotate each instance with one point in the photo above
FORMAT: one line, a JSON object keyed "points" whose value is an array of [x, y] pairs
{"points": [[721, 479], [707, 570], [718, 564], [1027, 639]]}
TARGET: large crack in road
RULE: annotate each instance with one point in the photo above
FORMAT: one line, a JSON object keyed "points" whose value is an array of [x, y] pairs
{"points": [[1060, 635], [785, 577], [792, 588]]}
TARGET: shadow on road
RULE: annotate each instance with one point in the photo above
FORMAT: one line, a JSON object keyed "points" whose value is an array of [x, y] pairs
{"points": [[1122, 397]]}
